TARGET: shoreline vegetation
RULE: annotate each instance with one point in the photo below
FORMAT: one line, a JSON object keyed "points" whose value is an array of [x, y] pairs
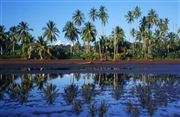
{"points": [[151, 35]]}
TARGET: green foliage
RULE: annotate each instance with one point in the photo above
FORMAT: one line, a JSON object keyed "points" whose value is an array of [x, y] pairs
{"points": [[173, 55], [118, 56]]}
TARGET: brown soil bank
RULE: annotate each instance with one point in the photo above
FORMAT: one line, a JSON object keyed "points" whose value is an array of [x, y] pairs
{"points": [[74, 61]]}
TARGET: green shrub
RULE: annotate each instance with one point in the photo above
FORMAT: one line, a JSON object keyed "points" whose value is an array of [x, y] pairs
{"points": [[173, 55]]}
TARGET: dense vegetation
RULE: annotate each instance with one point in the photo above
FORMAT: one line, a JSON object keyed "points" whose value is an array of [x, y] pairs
{"points": [[151, 34]]}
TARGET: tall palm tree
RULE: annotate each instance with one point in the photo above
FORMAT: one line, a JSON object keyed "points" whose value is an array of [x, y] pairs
{"points": [[71, 32], [89, 33], [93, 14], [118, 38], [152, 19], [13, 36], [129, 18], [144, 34], [23, 32], [78, 17], [51, 31], [137, 14], [3, 36], [133, 34], [103, 16]]}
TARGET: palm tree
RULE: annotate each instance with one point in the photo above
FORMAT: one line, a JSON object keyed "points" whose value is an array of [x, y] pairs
{"points": [[40, 46], [93, 14], [13, 36], [78, 17], [129, 18], [89, 33], [103, 16], [152, 19], [23, 32], [71, 32], [133, 34], [51, 31], [144, 34], [118, 38], [3, 36], [137, 14]]}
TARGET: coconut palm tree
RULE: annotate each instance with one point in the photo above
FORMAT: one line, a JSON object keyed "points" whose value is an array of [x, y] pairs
{"points": [[93, 14], [3, 36], [137, 14], [51, 31], [118, 38], [103, 16], [23, 32], [129, 18], [144, 34], [78, 17], [13, 36], [40, 46], [71, 32], [89, 33], [152, 19]]}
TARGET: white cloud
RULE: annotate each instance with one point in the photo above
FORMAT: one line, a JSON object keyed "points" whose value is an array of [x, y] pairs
{"points": [[59, 42]]}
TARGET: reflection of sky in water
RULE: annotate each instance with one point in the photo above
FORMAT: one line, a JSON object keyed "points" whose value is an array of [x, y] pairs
{"points": [[121, 92]]}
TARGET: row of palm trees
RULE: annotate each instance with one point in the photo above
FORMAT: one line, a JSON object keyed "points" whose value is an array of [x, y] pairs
{"points": [[150, 34]]}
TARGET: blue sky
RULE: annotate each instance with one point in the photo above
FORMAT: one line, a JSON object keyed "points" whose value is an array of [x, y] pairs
{"points": [[38, 12]]}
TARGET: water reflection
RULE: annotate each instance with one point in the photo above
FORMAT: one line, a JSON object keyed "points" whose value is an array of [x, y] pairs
{"points": [[90, 94]]}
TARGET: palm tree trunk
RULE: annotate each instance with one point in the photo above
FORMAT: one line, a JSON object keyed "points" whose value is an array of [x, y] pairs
{"points": [[114, 51], [1, 50], [13, 48], [114, 46], [100, 50]]}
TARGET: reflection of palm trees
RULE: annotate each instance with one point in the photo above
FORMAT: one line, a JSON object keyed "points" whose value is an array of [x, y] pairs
{"points": [[50, 93], [77, 107], [70, 93], [88, 91], [103, 108], [40, 80], [118, 87], [146, 98], [133, 111]]}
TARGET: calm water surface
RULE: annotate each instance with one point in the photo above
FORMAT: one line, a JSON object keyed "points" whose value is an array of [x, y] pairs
{"points": [[89, 94]]}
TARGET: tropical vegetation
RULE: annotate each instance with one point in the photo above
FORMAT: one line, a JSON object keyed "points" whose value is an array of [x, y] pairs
{"points": [[151, 35]]}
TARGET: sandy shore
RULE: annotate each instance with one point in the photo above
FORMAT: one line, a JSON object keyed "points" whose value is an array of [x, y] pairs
{"points": [[84, 62]]}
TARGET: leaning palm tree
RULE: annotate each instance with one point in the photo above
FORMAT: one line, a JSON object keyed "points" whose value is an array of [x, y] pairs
{"points": [[51, 31], [78, 17], [13, 36], [103, 16], [89, 33], [71, 32]]}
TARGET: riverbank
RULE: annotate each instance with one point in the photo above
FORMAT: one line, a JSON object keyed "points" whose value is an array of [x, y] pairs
{"points": [[84, 62]]}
